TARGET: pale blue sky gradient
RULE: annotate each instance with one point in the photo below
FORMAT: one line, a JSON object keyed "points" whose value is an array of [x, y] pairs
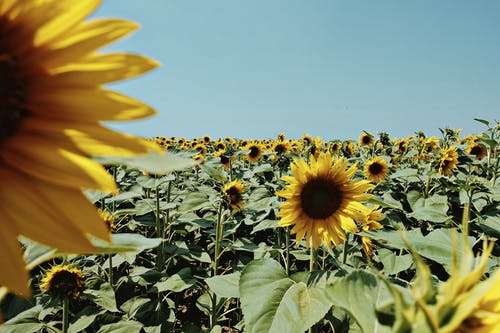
{"points": [[252, 69]]}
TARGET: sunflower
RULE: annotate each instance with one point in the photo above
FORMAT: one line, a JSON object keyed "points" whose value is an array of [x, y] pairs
{"points": [[402, 146], [366, 139], [376, 169], [226, 161], [220, 145], [322, 200], [233, 194], [371, 223], [307, 139], [63, 281], [335, 147], [255, 153], [206, 139], [52, 103], [281, 147], [477, 149], [449, 159], [280, 137], [109, 220]]}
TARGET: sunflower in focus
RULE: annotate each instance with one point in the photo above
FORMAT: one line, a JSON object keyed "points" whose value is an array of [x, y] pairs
{"points": [[366, 139], [449, 159], [477, 149], [52, 103], [322, 201], [233, 194], [376, 169], [63, 281]]}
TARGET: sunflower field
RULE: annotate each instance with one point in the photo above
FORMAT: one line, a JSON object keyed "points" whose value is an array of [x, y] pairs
{"points": [[377, 234]]}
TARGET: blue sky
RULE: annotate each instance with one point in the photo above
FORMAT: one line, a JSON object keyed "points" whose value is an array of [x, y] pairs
{"points": [[253, 69]]}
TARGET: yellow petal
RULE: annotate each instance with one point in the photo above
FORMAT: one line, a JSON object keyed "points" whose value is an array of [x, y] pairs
{"points": [[58, 16], [46, 160], [87, 105], [12, 275]]}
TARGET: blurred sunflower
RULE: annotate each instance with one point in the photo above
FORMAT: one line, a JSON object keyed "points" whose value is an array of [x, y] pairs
{"points": [[206, 139], [366, 139], [322, 200], [335, 147], [307, 139], [402, 145], [52, 103], [255, 153], [280, 137], [109, 220], [376, 169], [233, 193], [226, 161], [449, 159], [281, 147], [63, 281], [477, 149]]}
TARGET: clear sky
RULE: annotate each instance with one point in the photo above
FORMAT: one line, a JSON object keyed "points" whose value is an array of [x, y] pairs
{"points": [[253, 69]]}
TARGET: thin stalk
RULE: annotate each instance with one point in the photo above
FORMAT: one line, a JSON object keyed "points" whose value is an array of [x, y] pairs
{"points": [[218, 238], [110, 273], [346, 247], [65, 323], [159, 231], [313, 258], [287, 250]]}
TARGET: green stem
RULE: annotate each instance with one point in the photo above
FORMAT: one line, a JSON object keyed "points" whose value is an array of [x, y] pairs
{"points": [[313, 258], [65, 314], [287, 250], [346, 247], [159, 232], [110, 273], [218, 238]]}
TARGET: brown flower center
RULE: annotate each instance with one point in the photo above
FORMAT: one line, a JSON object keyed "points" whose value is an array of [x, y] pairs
{"points": [[12, 89], [65, 283], [320, 198], [233, 195], [254, 151], [375, 168]]}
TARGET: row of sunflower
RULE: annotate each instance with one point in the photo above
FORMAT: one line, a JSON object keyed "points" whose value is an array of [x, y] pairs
{"points": [[273, 235], [294, 240]]}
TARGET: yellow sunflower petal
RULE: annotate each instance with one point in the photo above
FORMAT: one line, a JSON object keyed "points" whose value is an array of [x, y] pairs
{"points": [[13, 274]]}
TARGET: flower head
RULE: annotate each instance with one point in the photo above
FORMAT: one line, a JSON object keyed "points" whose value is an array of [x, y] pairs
{"points": [[233, 194], [63, 281], [376, 169], [322, 201], [449, 159], [366, 139], [52, 104]]}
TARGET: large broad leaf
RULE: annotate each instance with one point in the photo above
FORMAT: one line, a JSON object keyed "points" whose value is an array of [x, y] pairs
{"points": [[225, 285], [104, 296], [437, 245], [432, 209], [358, 294], [180, 281], [272, 302], [125, 242], [129, 326], [154, 163]]}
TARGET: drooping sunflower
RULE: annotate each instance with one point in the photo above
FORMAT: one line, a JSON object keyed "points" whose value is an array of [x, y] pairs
{"points": [[371, 223], [477, 149], [322, 201], [52, 103], [281, 147], [226, 161], [307, 139], [255, 153], [63, 281], [449, 159], [233, 194], [376, 169], [366, 139]]}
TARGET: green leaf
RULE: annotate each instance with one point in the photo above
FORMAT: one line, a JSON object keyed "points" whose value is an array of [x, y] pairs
{"points": [[126, 242], [214, 173], [104, 297], [272, 302], [83, 320], [358, 294], [393, 264], [131, 306], [432, 209], [180, 281], [22, 328], [487, 123], [194, 201], [437, 245], [404, 173], [154, 163], [225, 285], [129, 326]]}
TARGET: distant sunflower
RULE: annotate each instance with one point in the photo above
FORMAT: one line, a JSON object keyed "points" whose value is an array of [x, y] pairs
{"points": [[376, 169], [322, 201], [280, 137], [109, 220], [255, 153], [402, 146], [226, 161], [477, 149], [233, 193], [220, 145], [281, 147], [366, 139], [449, 160], [335, 147], [307, 139], [63, 281], [52, 104], [206, 139]]}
